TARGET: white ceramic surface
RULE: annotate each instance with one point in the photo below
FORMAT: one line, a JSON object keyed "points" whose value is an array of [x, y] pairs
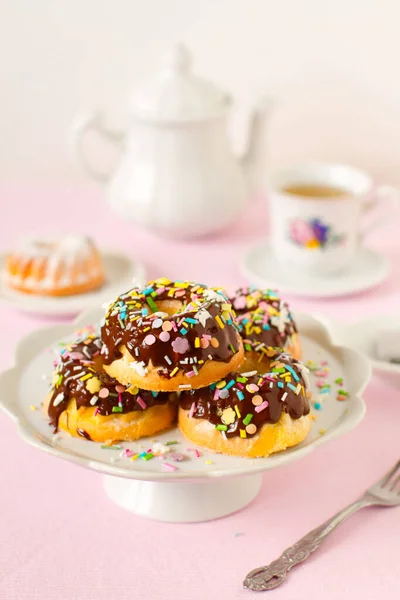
{"points": [[24, 385], [121, 272], [177, 174], [367, 270], [362, 337], [323, 235]]}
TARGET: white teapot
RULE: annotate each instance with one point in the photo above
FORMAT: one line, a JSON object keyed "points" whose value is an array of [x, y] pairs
{"points": [[178, 174]]}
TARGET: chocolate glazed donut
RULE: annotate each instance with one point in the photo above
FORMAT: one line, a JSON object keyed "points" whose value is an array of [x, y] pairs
{"points": [[263, 317], [82, 396], [170, 336], [251, 412]]}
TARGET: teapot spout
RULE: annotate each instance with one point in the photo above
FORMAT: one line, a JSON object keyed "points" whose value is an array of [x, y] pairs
{"points": [[255, 157]]}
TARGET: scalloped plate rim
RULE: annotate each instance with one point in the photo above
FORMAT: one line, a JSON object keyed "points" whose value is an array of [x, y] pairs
{"points": [[24, 429]]}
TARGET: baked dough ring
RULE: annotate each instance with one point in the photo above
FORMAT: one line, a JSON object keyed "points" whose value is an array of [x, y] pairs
{"points": [[260, 409], [84, 401], [263, 317], [171, 336]]}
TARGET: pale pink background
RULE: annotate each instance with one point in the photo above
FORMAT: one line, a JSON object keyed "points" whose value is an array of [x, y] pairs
{"points": [[62, 538]]}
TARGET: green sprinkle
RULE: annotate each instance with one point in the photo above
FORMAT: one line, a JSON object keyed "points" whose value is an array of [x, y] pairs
{"points": [[247, 418], [148, 456], [151, 303], [117, 408], [343, 393], [339, 381], [232, 348], [276, 370], [106, 447], [222, 427], [113, 394], [241, 379], [171, 443]]}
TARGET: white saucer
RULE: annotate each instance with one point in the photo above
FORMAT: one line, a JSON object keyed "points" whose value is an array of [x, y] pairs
{"points": [[362, 337], [120, 270], [205, 485], [368, 270]]}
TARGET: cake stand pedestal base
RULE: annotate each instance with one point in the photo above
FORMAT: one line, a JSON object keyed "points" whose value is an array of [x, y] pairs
{"points": [[183, 502]]}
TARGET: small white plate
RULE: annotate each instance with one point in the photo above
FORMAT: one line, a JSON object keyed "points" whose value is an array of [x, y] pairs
{"points": [[261, 267], [176, 496], [120, 271], [362, 337]]}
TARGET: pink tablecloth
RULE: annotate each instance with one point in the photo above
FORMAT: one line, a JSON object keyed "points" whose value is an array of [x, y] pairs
{"points": [[61, 538]]}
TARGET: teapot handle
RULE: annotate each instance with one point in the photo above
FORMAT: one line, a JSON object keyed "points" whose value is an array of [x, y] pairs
{"points": [[84, 124]]}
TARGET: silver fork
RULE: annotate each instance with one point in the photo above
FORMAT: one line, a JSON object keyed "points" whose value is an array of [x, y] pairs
{"points": [[386, 492]]}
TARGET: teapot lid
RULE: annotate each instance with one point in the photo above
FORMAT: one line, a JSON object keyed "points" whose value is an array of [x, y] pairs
{"points": [[175, 93]]}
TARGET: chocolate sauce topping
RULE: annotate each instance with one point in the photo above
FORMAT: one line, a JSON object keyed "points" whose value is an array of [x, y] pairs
{"points": [[201, 327], [243, 402], [79, 375], [262, 316]]}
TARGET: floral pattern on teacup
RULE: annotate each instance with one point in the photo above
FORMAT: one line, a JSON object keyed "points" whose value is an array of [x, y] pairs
{"points": [[313, 234]]}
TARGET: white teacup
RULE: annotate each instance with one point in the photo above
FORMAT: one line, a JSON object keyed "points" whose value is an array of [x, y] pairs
{"points": [[318, 214]]}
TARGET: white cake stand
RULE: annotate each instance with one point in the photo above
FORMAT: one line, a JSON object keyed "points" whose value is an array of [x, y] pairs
{"points": [[205, 485]]}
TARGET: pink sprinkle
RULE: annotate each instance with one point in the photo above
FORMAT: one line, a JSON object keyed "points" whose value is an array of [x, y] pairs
{"points": [[150, 339], [321, 373], [192, 410], [240, 385], [127, 453], [324, 362], [174, 327], [197, 453], [119, 398], [168, 467], [76, 355], [104, 393], [141, 402], [96, 411], [320, 383], [160, 290], [164, 336], [120, 389], [190, 374], [216, 394], [262, 406]]}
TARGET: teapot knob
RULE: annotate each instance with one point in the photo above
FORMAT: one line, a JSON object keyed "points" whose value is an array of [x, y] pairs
{"points": [[177, 59]]}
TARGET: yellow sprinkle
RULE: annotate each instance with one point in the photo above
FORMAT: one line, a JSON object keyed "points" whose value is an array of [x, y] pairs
{"points": [[135, 456], [197, 343], [226, 306], [243, 433], [33, 407], [237, 411], [226, 315], [174, 372], [200, 362], [146, 329], [171, 292], [93, 385], [220, 323], [221, 384], [207, 462], [88, 376], [322, 431], [133, 389]]}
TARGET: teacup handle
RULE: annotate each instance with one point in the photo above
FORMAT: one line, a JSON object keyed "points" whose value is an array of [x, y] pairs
{"points": [[382, 194], [92, 122]]}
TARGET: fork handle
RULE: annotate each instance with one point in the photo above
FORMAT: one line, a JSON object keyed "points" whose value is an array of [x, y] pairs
{"points": [[269, 577]]}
